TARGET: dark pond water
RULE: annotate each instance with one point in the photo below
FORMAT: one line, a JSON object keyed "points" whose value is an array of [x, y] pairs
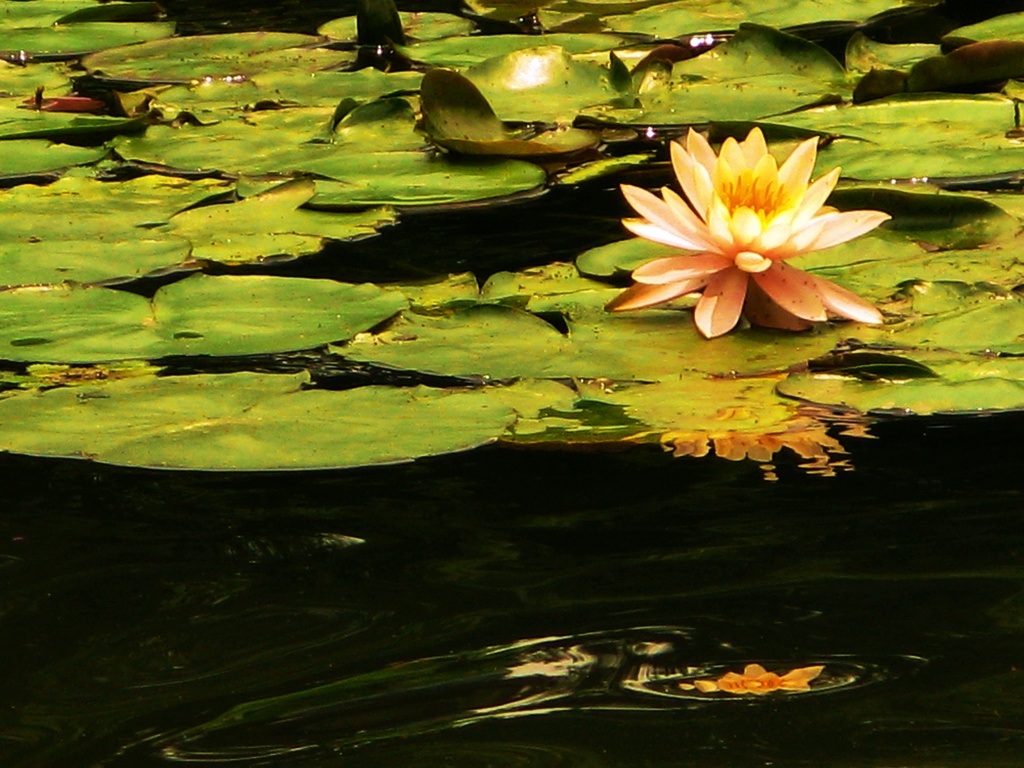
{"points": [[520, 608], [516, 607]]}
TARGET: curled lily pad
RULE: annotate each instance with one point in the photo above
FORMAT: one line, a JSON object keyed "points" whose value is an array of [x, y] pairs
{"points": [[969, 67], [758, 72], [457, 116], [543, 84]]}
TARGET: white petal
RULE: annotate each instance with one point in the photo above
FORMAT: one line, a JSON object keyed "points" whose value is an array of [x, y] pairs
{"points": [[796, 170], [672, 269], [646, 230], [720, 306], [658, 213], [835, 228], [689, 222], [846, 303], [792, 289]]}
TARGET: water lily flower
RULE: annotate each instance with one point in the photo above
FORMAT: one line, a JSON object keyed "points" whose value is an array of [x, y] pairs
{"points": [[744, 216], [759, 681]]}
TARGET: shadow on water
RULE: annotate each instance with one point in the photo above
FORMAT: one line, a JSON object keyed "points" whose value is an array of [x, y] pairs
{"points": [[519, 608]]}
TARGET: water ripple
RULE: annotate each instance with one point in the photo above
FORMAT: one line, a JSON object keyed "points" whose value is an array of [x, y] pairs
{"points": [[647, 668]]}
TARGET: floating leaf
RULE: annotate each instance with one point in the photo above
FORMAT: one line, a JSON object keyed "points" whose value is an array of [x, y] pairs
{"points": [[201, 315], [192, 59], [247, 421]]}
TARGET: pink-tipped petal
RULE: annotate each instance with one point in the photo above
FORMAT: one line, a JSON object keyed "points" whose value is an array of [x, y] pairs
{"points": [[844, 303], [796, 170], [701, 152], [762, 311], [836, 228], [792, 289], [658, 213], [642, 295], [672, 269], [720, 306]]}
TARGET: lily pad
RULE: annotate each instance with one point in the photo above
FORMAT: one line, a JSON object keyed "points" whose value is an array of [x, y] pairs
{"points": [[234, 57], [248, 421], [758, 72], [201, 315], [225, 233], [686, 16], [917, 136]]}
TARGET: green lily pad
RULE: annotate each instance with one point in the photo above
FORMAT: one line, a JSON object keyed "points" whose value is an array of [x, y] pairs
{"points": [[962, 387], [83, 230], [83, 37], [758, 72], [225, 233], [418, 25], [201, 315], [544, 84], [38, 155], [218, 99], [687, 16], [235, 56], [864, 54], [70, 128], [247, 421], [1005, 26], [457, 116], [916, 136], [459, 52]]}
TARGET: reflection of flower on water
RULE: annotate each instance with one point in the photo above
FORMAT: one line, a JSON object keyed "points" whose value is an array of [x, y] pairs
{"points": [[743, 217], [758, 681]]}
